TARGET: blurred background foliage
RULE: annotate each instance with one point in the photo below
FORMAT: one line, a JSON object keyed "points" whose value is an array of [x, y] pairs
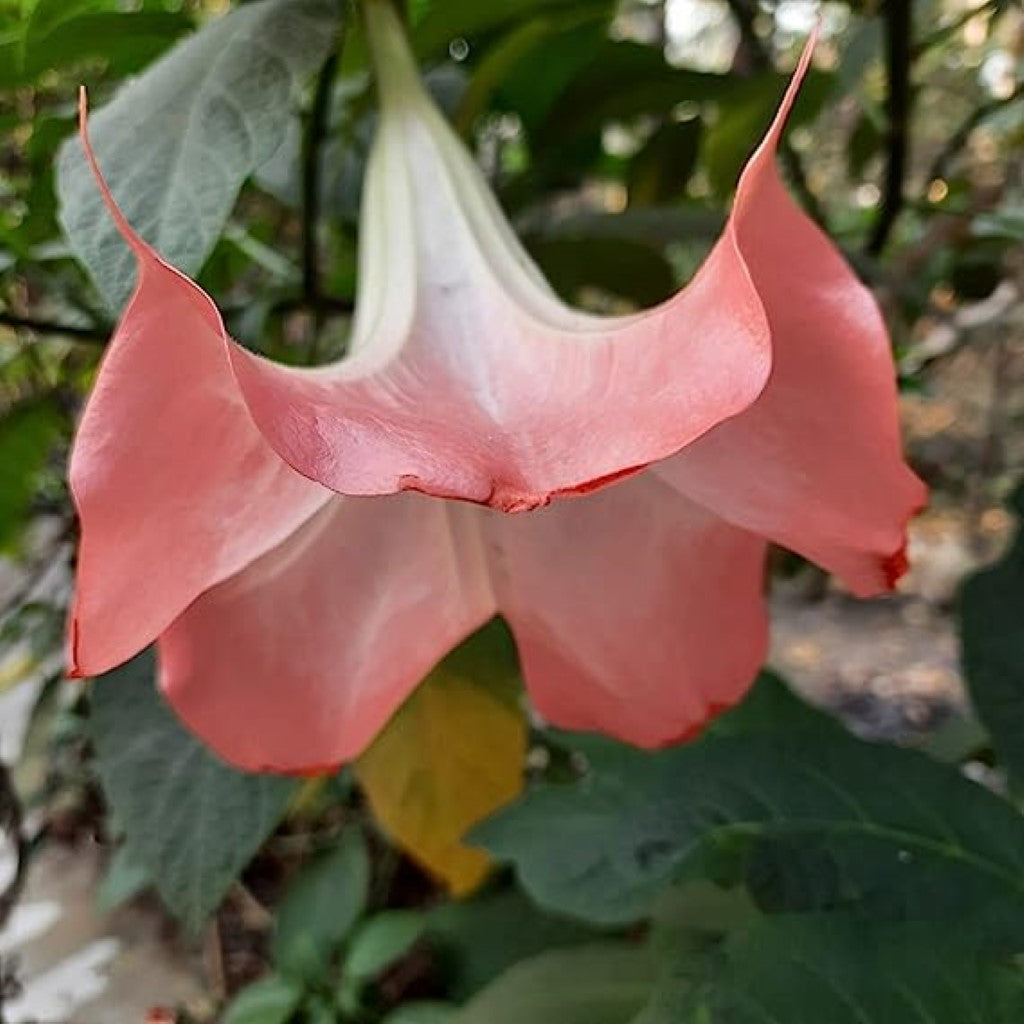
{"points": [[612, 133]]}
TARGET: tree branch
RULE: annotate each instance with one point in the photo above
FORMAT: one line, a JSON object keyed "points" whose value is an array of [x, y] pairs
{"points": [[88, 335], [316, 132], [898, 44]]}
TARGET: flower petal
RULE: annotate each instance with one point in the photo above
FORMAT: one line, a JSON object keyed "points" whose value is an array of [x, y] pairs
{"points": [[815, 463], [175, 487], [296, 663], [637, 613], [467, 377]]}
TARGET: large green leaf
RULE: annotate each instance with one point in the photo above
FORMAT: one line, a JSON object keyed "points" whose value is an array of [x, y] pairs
{"points": [[811, 969], [190, 820], [177, 143], [899, 835], [601, 984], [992, 635]]}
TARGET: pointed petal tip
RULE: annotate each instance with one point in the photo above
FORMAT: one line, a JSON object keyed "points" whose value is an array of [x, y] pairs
{"points": [[137, 245], [895, 565]]}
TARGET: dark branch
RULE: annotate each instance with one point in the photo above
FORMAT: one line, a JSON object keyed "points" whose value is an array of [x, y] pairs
{"points": [[316, 132], [898, 43], [89, 335], [759, 59], [322, 305]]}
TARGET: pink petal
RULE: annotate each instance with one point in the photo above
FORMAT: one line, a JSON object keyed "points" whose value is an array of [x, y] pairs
{"points": [[484, 401], [815, 463], [637, 613], [298, 661], [175, 487], [467, 377]]}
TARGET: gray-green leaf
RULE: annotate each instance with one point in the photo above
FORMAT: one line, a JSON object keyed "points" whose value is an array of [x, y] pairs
{"points": [[189, 819], [176, 144]]}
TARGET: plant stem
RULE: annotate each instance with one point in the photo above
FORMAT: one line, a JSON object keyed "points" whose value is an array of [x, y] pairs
{"points": [[898, 44]]}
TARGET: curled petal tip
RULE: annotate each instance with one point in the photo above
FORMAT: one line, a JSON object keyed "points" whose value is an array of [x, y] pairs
{"points": [[894, 567]]}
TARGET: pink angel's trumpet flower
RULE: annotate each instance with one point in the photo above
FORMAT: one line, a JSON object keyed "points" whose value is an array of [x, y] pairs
{"points": [[225, 505]]}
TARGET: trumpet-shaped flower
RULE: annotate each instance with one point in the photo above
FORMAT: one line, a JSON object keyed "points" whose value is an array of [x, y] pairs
{"points": [[248, 515]]}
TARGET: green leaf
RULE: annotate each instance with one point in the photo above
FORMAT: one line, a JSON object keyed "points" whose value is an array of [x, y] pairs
{"points": [[660, 170], [63, 33], [543, 72], [809, 969], [270, 1000], [904, 835], [622, 80], [470, 18], [28, 433], [628, 270], [177, 143], [189, 819], [771, 707], [476, 940], [548, 28], [423, 1013], [601, 984], [381, 941], [992, 645], [321, 907]]}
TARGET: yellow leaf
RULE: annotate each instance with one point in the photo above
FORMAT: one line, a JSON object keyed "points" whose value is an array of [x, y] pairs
{"points": [[452, 755]]}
